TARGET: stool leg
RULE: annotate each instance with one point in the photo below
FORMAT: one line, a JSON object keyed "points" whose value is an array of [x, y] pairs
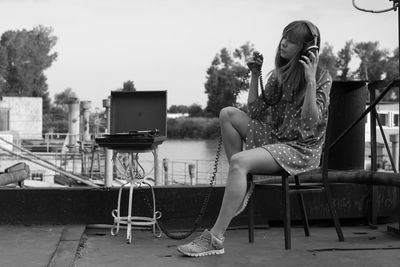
{"points": [[286, 208], [251, 219], [302, 209], [129, 219]]}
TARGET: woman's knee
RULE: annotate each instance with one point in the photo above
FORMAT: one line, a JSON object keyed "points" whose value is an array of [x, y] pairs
{"points": [[227, 113], [238, 163], [231, 117]]}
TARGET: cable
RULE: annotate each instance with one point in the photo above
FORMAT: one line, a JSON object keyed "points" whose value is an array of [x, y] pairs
{"points": [[207, 194], [204, 205], [211, 184], [396, 4]]}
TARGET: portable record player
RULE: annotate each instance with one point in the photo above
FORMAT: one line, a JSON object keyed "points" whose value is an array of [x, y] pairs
{"points": [[138, 120], [133, 140]]}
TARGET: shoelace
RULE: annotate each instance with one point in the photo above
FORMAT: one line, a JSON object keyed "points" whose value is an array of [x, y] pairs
{"points": [[201, 239]]}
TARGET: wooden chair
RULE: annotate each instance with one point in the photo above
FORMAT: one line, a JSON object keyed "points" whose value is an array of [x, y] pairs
{"points": [[292, 185], [287, 190]]}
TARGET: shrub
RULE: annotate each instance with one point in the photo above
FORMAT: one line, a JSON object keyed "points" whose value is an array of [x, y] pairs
{"points": [[188, 127]]}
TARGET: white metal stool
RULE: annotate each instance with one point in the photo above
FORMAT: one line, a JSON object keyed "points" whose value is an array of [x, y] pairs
{"points": [[134, 175]]}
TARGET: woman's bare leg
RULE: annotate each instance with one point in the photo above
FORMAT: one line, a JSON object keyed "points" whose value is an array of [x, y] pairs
{"points": [[235, 189], [233, 123]]}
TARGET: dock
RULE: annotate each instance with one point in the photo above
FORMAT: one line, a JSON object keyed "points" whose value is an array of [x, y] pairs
{"points": [[82, 246]]}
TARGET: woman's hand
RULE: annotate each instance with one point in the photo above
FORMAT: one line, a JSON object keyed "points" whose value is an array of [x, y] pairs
{"points": [[255, 62], [310, 64]]}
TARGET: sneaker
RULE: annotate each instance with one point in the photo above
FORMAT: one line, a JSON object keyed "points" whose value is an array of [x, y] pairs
{"points": [[204, 245]]}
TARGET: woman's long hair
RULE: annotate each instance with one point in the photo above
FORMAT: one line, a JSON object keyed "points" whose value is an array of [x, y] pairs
{"points": [[290, 73]]}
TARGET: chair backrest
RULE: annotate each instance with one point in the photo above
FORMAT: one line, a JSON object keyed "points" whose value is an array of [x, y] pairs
{"points": [[347, 102]]}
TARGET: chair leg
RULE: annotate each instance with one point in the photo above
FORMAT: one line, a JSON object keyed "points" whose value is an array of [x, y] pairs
{"points": [[332, 210], [250, 206], [286, 208], [302, 209]]}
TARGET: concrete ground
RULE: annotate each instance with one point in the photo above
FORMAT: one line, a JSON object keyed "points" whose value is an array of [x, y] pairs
{"points": [[80, 246]]}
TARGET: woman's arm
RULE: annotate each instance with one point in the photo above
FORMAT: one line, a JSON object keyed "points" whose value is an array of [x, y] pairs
{"points": [[309, 110], [253, 91], [254, 64]]}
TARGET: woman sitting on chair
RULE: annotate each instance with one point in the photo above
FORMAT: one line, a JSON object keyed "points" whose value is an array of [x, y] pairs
{"points": [[283, 130]]}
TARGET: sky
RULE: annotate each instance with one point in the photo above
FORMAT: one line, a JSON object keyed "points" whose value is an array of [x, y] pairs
{"points": [[169, 44]]}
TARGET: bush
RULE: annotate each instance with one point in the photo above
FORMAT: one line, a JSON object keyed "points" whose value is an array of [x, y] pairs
{"points": [[201, 128], [211, 129]]}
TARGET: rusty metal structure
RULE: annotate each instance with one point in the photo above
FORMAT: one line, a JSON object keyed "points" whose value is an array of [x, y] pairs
{"points": [[372, 108]]}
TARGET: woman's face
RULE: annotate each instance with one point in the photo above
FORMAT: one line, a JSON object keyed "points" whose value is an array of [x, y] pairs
{"points": [[288, 49]]}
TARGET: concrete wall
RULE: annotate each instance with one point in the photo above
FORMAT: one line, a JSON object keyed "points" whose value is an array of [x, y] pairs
{"points": [[180, 206], [25, 116]]}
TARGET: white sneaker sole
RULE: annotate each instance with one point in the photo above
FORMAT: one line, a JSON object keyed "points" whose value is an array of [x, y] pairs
{"points": [[201, 254]]}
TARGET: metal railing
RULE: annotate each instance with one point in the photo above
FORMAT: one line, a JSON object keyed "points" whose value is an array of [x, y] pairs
{"points": [[192, 172]]}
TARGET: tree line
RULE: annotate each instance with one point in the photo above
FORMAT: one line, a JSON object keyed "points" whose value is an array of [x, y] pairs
{"points": [[228, 75], [26, 54]]}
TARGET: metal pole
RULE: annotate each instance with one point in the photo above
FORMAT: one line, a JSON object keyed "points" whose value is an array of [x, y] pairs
{"points": [[73, 124], [165, 169], [191, 172], [157, 178], [398, 36], [390, 228], [197, 171], [109, 153], [394, 138], [85, 131]]}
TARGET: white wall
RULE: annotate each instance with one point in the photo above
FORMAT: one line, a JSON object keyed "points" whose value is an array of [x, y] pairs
{"points": [[25, 116]]}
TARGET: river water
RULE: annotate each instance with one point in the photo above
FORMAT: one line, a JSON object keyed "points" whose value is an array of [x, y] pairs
{"points": [[189, 149], [186, 162], [199, 153]]}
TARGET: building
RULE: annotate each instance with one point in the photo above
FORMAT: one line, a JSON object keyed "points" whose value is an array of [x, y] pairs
{"points": [[21, 117], [389, 117]]}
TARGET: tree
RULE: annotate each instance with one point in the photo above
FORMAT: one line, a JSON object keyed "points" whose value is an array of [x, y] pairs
{"points": [[128, 86], [195, 110], [392, 72], [178, 109], [56, 119], [392, 68], [343, 60], [27, 57], [226, 77], [3, 67], [62, 99], [327, 60], [373, 60]]}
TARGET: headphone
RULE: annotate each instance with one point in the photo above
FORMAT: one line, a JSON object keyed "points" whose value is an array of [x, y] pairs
{"points": [[314, 44]]}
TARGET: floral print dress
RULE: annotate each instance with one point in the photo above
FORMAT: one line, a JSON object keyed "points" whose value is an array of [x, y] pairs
{"points": [[295, 144]]}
